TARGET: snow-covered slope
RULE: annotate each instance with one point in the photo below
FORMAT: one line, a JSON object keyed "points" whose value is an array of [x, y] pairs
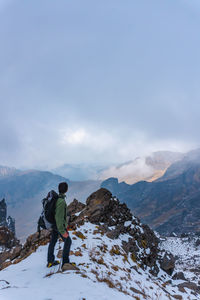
{"points": [[187, 253], [106, 272]]}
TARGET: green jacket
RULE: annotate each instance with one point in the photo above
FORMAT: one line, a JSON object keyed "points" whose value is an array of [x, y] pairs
{"points": [[61, 214]]}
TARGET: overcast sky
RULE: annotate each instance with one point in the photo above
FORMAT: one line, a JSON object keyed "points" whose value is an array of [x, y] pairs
{"points": [[97, 81]]}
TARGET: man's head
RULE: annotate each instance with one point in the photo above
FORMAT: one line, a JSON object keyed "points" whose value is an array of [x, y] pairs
{"points": [[62, 187]]}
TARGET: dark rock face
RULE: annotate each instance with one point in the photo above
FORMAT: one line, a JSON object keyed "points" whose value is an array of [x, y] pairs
{"points": [[4, 221]]}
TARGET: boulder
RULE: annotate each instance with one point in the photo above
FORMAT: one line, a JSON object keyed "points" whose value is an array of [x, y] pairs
{"points": [[179, 276], [167, 263]]}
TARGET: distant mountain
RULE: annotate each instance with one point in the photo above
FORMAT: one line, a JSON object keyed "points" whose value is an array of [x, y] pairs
{"points": [[23, 194], [78, 172], [7, 171], [171, 204], [189, 159], [147, 168]]}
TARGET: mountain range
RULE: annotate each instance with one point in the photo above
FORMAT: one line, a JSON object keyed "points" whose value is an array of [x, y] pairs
{"points": [[147, 168], [24, 192], [169, 204]]}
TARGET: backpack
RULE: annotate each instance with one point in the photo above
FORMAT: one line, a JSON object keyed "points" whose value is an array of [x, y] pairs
{"points": [[47, 217]]}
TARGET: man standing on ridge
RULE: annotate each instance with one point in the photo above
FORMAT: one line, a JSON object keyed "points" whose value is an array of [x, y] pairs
{"points": [[60, 228]]}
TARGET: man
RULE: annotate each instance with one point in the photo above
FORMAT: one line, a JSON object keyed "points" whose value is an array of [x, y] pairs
{"points": [[60, 229]]}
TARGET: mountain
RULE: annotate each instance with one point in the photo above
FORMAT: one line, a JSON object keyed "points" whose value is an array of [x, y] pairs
{"points": [[117, 256], [147, 168], [190, 159], [171, 204], [6, 172], [78, 172], [23, 194]]}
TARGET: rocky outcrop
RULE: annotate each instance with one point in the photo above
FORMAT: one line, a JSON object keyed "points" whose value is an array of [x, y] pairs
{"points": [[16, 252], [168, 263], [9, 247], [114, 218], [75, 206], [4, 221], [7, 238]]}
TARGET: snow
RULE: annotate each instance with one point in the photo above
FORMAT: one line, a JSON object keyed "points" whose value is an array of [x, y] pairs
{"points": [[99, 266], [187, 254]]}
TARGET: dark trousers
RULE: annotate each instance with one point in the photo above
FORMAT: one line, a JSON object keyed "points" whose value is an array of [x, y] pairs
{"points": [[66, 249]]}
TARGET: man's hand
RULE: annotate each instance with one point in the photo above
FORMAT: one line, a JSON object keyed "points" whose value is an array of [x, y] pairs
{"points": [[66, 234]]}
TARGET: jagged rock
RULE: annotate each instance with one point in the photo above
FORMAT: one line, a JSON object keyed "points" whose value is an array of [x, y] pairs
{"points": [[19, 252], [111, 216], [178, 276], [75, 206], [3, 212], [33, 242], [11, 224], [167, 264], [102, 207], [7, 238], [10, 247], [4, 221]]}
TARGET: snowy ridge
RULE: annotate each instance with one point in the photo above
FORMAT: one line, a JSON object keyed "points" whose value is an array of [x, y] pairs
{"points": [[106, 272]]}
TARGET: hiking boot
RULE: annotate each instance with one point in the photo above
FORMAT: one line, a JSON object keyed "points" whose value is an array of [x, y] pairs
{"points": [[69, 266], [55, 263]]}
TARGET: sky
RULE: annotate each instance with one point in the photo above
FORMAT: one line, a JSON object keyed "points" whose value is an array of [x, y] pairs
{"points": [[97, 82]]}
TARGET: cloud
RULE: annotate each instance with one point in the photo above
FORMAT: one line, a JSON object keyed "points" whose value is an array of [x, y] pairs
{"points": [[76, 137], [79, 86]]}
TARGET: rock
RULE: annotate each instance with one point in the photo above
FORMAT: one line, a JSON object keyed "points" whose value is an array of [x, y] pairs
{"points": [[15, 252], [188, 285], [179, 297], [113, 234], [75, 206], [197, 243], [3, 212], [179, 275], [5, 264], [4, 221], [102, 207], [7, 238], [67, 267], [111, 216], [167, 263]]}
